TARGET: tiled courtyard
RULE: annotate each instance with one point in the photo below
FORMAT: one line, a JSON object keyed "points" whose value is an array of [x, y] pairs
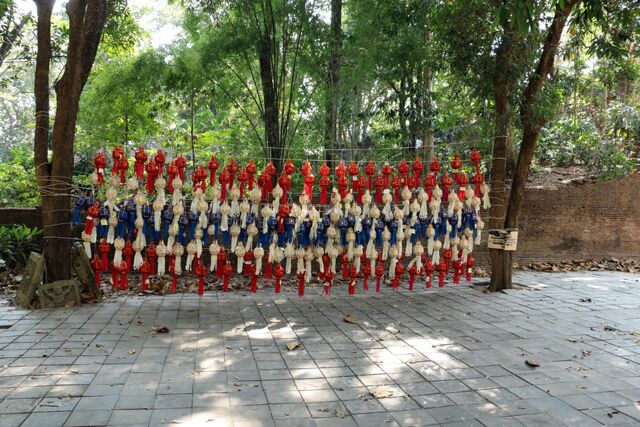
{"points": [[449, 356]]}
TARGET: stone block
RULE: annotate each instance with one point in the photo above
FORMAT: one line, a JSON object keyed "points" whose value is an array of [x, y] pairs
{"points": [[31, 279], [82, 267], [59, 294]]}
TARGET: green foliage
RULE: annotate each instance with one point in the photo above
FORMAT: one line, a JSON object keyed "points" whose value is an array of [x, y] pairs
{"points": [[121, 31], [577, 141], [207, 81], [16, 243], [18, 186]]}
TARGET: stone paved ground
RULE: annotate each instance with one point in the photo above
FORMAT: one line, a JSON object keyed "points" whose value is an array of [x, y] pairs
{"points": [[451, 356]]}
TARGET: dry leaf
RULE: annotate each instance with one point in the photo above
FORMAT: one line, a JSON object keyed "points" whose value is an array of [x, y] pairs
{"points": [[350, 318], [582, 387], [612, 413], [70, 303], [382, 392], [532, 363], [572, 339], [293, 345], [160, 330], [131, 352], [340, 414]]}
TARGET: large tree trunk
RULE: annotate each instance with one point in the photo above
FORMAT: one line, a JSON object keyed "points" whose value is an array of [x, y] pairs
{"points": [[498, 163], [531, 126], [274, 145], [333, 78], [86, 21], [41, 134], [427, 131]]}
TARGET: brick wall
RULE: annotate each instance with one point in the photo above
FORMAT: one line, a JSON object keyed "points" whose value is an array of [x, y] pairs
{"points": [[589, 221]]}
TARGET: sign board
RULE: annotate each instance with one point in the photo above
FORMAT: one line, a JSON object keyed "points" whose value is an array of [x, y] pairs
{"points": [[504, 239]]}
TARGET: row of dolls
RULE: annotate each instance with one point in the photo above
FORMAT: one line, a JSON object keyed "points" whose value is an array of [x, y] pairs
{"points": [[251, 230]]}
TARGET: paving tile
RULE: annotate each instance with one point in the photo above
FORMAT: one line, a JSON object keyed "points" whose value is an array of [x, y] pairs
{"points": [[321, 395], [88, 418], [135, 401], [289, 410], [130, 416], [97, 402], [38, 419], [454, 359], [175, 416], [361, 406]]}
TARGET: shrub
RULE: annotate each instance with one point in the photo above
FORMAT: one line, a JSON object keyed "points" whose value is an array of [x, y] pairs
{"points": [[16, 243]]}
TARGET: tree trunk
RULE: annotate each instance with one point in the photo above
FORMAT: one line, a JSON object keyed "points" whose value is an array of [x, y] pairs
{"points": [[86, 21], [531, 126], [11, 35], [41, 134], [427, 132], [274, 145], [498, 162], [333, 78]]}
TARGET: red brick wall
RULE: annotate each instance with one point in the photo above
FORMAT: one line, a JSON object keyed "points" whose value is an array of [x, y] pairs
{"points": [[589, 221]]}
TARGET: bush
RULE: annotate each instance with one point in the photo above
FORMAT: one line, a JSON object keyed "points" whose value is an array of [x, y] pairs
{"points": [[18, 187], [16, 243], [577, 142]]}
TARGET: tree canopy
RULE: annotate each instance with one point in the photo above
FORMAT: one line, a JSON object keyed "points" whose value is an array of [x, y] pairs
{"points": [[248, 78]]}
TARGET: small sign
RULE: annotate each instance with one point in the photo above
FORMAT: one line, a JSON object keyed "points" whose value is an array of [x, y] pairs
{"points": [[504, 239]]}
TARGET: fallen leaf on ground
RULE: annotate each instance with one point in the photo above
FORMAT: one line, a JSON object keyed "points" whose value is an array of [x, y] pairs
{"points": [[131, 352], [350, 318], [612, 413], [572, 339], [382, 392], [340, 414], [581, 387], [160, 330], [532, 363], [293, 345]]}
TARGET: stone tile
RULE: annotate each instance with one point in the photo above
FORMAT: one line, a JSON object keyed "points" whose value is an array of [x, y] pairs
{"points": [[449, 386], [393, 404], [289, 410], [326, 409], [174, 416], [15, 406], [363, 406], [375, 420], [88, 418], [135, 401], [130, 416], [57, 404], [433, 400], [173, 401], [37, 419], [321, 395], [336, 422], [246, 396], [11, 420], [97, 402], [457, 357]]}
